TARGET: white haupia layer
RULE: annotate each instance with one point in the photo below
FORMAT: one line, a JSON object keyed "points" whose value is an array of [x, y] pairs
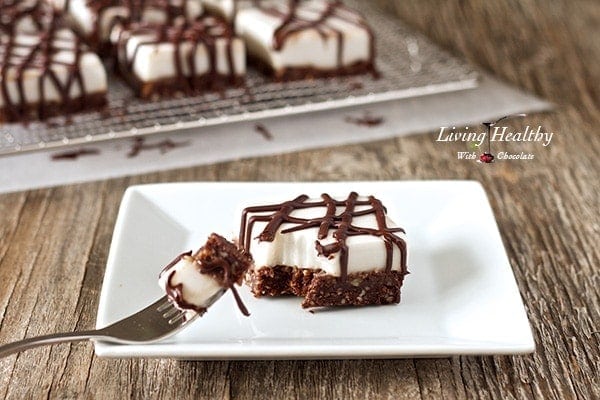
{"points": [[365, 252], [305, 48], [157, 61], [91, 69], [200, 290], [85, 17]]}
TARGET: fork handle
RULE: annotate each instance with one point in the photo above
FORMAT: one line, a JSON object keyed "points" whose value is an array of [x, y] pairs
{"points": [[29, 343]]}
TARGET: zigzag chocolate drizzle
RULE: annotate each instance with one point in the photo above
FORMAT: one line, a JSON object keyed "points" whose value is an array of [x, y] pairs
{"points": [[341, 225]]}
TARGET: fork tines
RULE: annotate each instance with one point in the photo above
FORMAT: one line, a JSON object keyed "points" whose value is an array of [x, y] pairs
{"points": [[171, 312]]}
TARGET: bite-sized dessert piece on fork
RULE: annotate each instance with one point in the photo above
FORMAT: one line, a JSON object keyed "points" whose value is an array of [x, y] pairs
{"points": [[195, 281]]}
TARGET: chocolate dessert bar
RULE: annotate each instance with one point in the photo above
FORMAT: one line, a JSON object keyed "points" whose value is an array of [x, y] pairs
{"points": [[304, 39], [47, 74], [195, 282], [94, 19], [330, 251], [188, 58]]}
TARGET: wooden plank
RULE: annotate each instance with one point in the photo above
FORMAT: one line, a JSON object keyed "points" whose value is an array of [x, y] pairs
{"points": [[54, 242]]}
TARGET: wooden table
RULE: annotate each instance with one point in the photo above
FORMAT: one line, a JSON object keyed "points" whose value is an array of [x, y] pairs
{"points": [[54, 242]]}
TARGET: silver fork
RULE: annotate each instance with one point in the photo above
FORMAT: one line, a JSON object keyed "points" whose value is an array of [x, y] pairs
{"points": [[155, 322]]}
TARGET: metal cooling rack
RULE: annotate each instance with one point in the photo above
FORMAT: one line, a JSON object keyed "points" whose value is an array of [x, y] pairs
{"points": [[409, 64]]}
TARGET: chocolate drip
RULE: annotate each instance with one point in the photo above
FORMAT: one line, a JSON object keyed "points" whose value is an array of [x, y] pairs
{"points": [[139, 144], [263, 131], [220, 259], [175, 294], [224, 269], [366, 119], [20, 55], [175, 261], [278, 214], [74, 154], [205, 32]]}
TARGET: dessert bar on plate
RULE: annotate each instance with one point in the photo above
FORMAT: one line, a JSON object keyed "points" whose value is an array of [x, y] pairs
{"points": [[331, 251], [188, 57], [48, 73]]}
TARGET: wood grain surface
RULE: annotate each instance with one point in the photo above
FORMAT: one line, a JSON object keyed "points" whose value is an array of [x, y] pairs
{"points": [[54, 242]]}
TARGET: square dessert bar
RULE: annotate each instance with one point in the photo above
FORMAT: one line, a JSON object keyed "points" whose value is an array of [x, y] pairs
{"points": [[187, 58], [304, 39], [94, 19], [47, 74], [330, 251]]}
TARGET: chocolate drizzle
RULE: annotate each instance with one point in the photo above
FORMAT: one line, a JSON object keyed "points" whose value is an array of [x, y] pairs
{"points": [[187, 39], [275, 215], [366, 119], [263, 131], [139, 144], [13, 12], [132, 12], [74, 154], [20, 53]]}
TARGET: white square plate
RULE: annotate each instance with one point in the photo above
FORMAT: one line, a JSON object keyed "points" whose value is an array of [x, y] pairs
{"points": [[459, 298]]}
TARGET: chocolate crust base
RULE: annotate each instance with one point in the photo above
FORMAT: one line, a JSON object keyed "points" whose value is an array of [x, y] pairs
{"points": [[280, 280], [287, 74], [35, 111], [322, 290], [360, 289], [170, 87]]}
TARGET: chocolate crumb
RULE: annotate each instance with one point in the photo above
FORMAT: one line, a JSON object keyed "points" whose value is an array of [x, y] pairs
{"points": [[355, 85], [74, 154], [120, 112], [366, 119], [139, 144], [249, 96], [264, 132], [54, 123]]}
